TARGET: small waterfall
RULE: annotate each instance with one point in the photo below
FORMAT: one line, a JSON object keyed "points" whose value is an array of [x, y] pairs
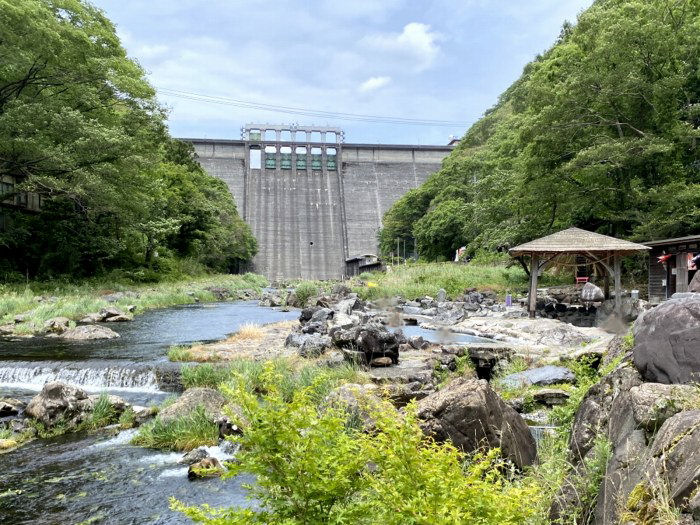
{"points": [[89, 375]]}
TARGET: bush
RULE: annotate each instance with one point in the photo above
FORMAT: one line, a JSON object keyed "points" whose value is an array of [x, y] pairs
{"points": [[312, 466], [305, 291]]}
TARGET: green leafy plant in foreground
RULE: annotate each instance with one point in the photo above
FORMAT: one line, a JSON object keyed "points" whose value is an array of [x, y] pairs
{"points": [[312, 466]]}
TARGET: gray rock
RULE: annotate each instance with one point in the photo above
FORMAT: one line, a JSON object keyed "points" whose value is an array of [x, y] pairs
{"points": [[441, 295], [541, 376], [57, 324], [118, 318], [551, 396], [110, 311], [209, 399], [667, 339], [194, 456], [654, 403], [694, 286], [92, 318], [88, 332], [314, 345], [590, 293], [412, 310], [346, 306], [470, 414], [321, 315], [11, 407]]}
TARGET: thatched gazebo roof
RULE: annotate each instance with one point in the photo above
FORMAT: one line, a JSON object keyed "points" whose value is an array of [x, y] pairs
{"points": [[600, 249], [577, 241]]}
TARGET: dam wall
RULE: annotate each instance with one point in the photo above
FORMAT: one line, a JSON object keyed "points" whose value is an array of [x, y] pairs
{"points": [[311, 204]]}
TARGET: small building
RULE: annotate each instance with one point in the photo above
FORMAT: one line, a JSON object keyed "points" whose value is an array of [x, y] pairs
{"points": [[572, 243], [362, 263], [671, 266]]}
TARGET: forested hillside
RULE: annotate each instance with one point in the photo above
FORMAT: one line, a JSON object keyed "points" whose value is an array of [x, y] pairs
{"points": [[601, 132], [83, 139]]}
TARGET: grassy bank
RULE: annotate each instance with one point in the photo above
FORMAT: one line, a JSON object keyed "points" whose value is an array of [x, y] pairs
{"points": [[417, 280], [40, 301]]}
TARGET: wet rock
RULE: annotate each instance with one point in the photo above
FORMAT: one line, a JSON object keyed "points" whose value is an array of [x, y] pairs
{"points": [[208, 467], [209, 399], [58, 402], [666, 341], [541, 376], [194, 456], [118, 318], [10, 406], [57, 325], [88, 332], [551, 396], [470, 414]]}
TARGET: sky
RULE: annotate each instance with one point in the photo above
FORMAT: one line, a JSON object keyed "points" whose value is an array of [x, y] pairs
{"points": [[445, 60]]}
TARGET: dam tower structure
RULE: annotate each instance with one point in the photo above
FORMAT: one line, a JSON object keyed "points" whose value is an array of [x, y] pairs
{"points": [[311, 199]]}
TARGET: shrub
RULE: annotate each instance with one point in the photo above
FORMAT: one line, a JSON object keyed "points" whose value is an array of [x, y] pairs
{"points": [[183, 433], [103, 414], [311, 466], [305, 291]]}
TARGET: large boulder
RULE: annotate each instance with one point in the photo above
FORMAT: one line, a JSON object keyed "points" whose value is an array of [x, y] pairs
{"points": [[367, 342], [667, 341], [209, 399], [470, 414], [59, 402], [57, 325], [694, 286]]}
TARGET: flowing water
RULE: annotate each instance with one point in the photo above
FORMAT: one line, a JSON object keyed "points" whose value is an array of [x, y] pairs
{"points": [[78, 477]]}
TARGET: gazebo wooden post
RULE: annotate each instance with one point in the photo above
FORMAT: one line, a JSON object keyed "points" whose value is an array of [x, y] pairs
{"points": [[618, 285], [534, 270], [681, 272]]}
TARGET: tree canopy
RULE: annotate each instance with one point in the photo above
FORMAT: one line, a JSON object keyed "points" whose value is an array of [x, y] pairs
{"points": [[600, 132], [80, 127]]}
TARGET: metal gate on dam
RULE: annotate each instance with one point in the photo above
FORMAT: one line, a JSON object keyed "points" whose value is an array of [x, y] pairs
{"points": [[311, 199]]}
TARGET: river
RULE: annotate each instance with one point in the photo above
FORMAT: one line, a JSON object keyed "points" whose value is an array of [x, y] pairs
{"points": [[79, 477]]}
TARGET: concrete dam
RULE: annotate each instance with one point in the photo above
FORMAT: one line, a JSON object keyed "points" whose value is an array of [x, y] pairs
{"points": [[312, 200]]}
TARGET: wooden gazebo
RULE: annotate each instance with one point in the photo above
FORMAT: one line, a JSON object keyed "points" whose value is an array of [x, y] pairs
{"points": [[598, 249]]}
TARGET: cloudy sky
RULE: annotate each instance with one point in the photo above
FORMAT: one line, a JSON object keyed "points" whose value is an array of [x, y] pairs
{"points": [[445, 60]]}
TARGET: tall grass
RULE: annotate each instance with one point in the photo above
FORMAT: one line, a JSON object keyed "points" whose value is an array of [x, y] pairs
{"points": [[61, 299], [292, 375], [183, 433], [417, 280]]}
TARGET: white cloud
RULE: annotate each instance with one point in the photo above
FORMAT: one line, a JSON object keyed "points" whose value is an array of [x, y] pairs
{"points": [[373, 83], [416, 41]]}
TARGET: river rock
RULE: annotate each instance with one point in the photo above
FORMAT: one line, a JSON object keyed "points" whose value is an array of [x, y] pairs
{"points": [[11, 407], [211, 400], [118, 318], [541, 376], [208, 467], [57, 325], [194, 456], [470, 414], [314, 345], [666, 341], [93, 317], [87, 333], [59, 401]]}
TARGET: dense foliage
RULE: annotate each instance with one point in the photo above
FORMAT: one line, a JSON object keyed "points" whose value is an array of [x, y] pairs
{"points": [[80, 127], [314, 466], [600, 132]]}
